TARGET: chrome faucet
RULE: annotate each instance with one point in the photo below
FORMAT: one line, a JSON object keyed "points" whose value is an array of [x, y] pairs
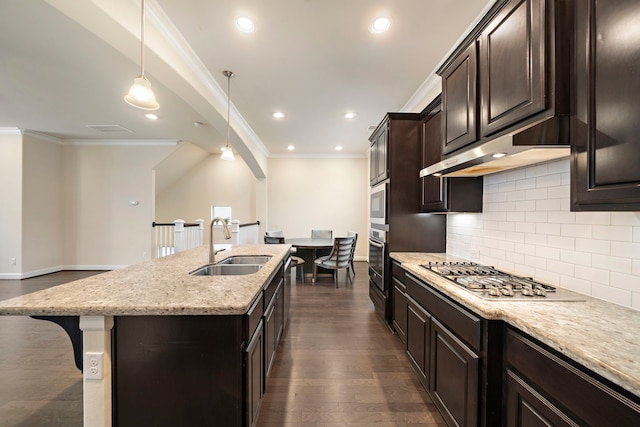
{"points": [[227, 235]]}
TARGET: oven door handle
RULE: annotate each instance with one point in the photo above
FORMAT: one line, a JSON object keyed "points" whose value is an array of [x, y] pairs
{"points": [[376, 244]]}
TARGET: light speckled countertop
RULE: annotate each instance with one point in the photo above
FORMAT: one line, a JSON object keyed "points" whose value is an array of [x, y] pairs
{"points": [[602, 336], [161, 286]]}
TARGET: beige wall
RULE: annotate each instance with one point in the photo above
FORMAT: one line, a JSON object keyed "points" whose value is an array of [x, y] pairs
{"points": [[327, 193], [10, 204], [101, 227], [213, 181], [42, 208]]}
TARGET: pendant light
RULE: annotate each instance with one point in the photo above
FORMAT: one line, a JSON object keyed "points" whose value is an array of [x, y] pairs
{"points": [[140, 95], [227, 152]]}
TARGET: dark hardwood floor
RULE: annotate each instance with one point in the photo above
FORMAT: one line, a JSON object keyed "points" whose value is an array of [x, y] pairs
{"points": [[337, 365]]}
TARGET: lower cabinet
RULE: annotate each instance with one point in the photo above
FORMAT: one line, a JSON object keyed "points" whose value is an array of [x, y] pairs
{"points": [[454, 383], [273, 327], [418, 339], [399, 315], [254, 375], [545, 388]]}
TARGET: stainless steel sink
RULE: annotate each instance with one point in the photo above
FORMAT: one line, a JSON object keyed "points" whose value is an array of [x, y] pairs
{"points": [[225, 269], [245, 259]]}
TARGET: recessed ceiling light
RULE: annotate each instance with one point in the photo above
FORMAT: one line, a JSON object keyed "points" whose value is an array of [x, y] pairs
{"points": [[338, 147], [350, 115], [245, 24], [290, 147], [380, 25], [278, 114], [151, 116]]}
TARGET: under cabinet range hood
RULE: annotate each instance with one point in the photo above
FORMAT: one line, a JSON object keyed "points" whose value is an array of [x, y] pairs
{"points": [[540, 142]]}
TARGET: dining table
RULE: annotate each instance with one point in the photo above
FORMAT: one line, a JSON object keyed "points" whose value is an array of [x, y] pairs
{"points": [[310, 248]]}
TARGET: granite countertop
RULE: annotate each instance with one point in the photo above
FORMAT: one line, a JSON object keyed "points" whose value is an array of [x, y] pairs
{"points": [[157, 287], [601, 336]]}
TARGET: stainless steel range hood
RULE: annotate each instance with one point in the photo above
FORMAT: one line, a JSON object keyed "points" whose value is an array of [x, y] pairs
{"points": [[540, 142]]}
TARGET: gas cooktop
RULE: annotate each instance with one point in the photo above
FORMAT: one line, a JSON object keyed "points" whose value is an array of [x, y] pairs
{"points": [[492, 284]]}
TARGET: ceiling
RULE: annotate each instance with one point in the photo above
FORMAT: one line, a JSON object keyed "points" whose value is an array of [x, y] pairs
{"points": [[66, 65]]}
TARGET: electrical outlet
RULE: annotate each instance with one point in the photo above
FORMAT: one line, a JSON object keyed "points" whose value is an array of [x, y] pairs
{"points": [[13, 261], [475, 253], [93, 365]]}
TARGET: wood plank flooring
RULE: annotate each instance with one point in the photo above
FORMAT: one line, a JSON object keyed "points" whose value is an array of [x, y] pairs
{"points": [[337, 365]]}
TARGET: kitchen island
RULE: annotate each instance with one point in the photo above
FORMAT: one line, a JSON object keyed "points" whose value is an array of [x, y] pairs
{"points": [[154, 330], [565, 346]]}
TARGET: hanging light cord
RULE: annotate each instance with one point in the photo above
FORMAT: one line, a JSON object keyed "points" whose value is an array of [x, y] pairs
{"points": [[228, 107], [142, 40]]}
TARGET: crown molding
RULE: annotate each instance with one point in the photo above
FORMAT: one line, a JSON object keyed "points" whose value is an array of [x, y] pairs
{"points": [[125, 142], [10, 131]]}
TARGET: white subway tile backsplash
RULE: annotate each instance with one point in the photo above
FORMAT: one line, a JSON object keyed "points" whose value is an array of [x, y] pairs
{"points": [[527, 228], [625, 250], [577, 230], [625, 281], [593, 246], [595, 218], [611, 294]]}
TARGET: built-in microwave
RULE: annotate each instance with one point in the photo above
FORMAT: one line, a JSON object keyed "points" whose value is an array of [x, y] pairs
{"points": [[378, 204]]}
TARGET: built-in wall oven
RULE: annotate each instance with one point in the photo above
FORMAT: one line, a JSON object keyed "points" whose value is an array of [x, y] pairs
{"points": [[378, 234]]}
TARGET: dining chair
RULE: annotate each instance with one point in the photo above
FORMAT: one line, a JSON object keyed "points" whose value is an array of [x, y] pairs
{"points": [[338, 258], [321, 234], [351, 268], [275, 233], [274, 240]]}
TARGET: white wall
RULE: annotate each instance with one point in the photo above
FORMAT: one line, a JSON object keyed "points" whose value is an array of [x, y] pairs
{"points": [[101, 227], [526, 228], [42, 207], [10, 203], [213, 181], [329, 193]]}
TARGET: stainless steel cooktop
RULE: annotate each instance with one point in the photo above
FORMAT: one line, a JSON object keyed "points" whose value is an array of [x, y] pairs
{"points": [[492, 284]]}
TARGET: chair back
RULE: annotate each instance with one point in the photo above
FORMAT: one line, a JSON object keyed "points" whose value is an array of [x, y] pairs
{"points": [[275, 233], [321, 234], [341, 252], [271, 240], [353, 234]]}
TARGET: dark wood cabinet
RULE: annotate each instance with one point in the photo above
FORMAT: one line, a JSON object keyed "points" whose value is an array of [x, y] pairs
{"points": [[378, 165], [254, 375], [512, 65], [511, 72], [399, 311], [455, 373], [605, 147], [273, 327], [460, 100], [418, 339], [543, 388], [441, 194]]}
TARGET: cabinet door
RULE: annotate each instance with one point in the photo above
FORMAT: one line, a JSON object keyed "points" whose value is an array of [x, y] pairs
{"points": [[433, 187], [270, 337], [459, 99], [418, 333], [454, 377], [254, 378], [399, 314], [512, 65], [373, 164], [381, 155], [605, 144], [526, 407]]}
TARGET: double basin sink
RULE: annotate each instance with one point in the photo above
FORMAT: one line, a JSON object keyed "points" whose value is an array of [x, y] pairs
{"points": [[233, 266]]}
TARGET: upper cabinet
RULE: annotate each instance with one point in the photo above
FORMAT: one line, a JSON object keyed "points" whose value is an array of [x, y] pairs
{"points": [[443, 194], [513, 68], [378, 164], [605, 129], [459, 99]]}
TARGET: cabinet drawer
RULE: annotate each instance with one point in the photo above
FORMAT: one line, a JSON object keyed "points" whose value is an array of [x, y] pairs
{"points": [[572, 390], [270, 289], [399, 273], [253, 317], [466, 326]]}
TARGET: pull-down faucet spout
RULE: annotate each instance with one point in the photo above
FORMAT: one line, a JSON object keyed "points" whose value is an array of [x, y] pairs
{"points": [[227, 235]]}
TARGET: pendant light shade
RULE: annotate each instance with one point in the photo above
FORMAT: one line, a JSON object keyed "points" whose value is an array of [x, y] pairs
{"points": [[140, 95], [227, 152]]}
